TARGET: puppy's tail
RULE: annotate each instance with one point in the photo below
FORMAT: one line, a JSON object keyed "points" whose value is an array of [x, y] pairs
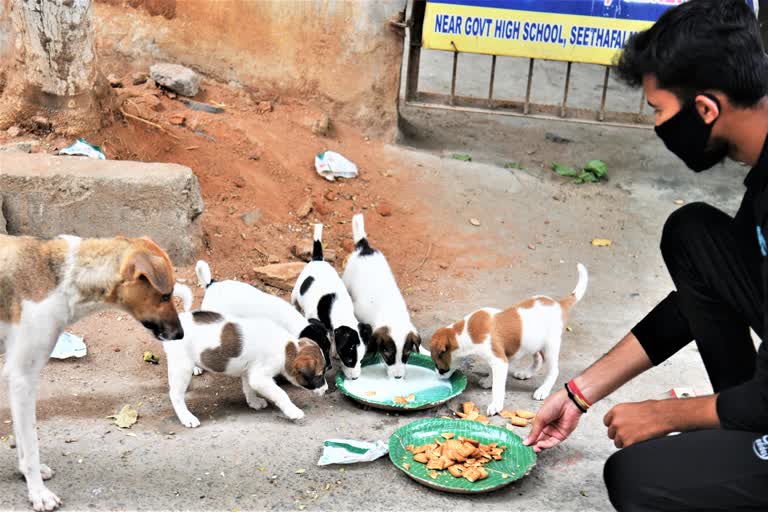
{"points": [[183, 292], [317, 245], [203, 272], [581, 287], [358, 228]]}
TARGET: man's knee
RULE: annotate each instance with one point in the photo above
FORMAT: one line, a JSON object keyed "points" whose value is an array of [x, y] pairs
{"points": [[624, 490], [689, 225]]}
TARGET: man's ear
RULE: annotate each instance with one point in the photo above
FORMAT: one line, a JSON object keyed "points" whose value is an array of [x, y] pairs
{"points": [[708, 108], [152, 268]]}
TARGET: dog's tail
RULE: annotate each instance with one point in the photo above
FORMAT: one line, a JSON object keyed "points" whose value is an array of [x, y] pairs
{"points": [[358, 228], [581, 287], [203, 272], [183, 292], [317, 245]]}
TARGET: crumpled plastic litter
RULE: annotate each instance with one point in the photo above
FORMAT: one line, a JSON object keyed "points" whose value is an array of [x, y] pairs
{"points": [[331, 165], [82, 148], [346, 451], [69, 345]]}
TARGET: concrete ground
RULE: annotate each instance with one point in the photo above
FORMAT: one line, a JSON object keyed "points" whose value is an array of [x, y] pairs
{"points": [[534, 227]]}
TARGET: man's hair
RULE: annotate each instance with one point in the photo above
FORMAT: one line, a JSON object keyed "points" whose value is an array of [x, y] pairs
{"points": [[701, 45]]}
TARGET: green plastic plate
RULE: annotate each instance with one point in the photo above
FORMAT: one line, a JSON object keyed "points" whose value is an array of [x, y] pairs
{"points": [[424, 398], [517, 460]]}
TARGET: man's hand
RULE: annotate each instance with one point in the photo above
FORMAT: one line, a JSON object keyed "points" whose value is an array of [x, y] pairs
{"points": [[554, 422], [632, 423]]}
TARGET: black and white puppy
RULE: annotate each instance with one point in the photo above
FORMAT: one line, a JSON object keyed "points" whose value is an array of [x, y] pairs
{"points": [[254, 349], [320, 293], [235, 298], [379, 303]]}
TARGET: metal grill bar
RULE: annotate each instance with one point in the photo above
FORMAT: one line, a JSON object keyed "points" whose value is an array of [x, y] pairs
{"points": [[601, 116], [565, 91], [453, 74], [490, 86], [527, 105]]}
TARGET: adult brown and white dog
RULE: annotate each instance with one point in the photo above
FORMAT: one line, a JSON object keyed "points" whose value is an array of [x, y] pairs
{"points": [[46, 285], [533, 327]]}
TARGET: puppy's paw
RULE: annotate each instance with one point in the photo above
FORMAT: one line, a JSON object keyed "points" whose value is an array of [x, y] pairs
{"points": [[294, 413], [522, 374], [486, 382], [197, 371], [256, 402], [541, 393], [189, 421], [46, 472], [43, 500], [494, 409]]}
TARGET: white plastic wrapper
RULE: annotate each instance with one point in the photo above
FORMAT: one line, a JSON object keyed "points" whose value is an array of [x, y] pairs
{"points": [[331, 165], [346, 451], [68, 345]]}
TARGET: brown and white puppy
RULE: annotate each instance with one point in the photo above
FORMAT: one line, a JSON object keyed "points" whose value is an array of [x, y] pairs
{"points": [[46, 285], [254, 349], [533, 327]]}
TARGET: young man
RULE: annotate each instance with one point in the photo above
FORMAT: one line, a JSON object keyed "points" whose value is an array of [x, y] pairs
{"points": [[705, 73]]}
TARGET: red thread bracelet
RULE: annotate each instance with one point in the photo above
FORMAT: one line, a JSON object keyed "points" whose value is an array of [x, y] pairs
{"points": [[576, 391]]}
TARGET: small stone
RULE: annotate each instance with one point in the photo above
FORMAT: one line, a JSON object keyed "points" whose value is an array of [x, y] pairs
{"points": [[532, 247], [321, 126], [254, 156], [13, 131], [474, 221], [320, 207], [239, 182], [280, 275], [384, 209], [251, 218], [557, 139], [273, 258], [679, 202], [114, 81], [177, 119], [443, 266], [303, 251], [139, 78], [116, 349], [305, 209], [177, 78], [348, 245], [264, 106], [330, 195], [26, 146]]}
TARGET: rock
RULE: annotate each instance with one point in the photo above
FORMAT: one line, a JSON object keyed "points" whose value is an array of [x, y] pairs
{"points": [[46, 195], [443, 266], [251, 218], [177, 119], [320, 207], [305, 209], [280, 275], [26, 146], [272, 258], [303, 251], [532, 247], [330, 195], [13, 131], [474, 221], [384, 209], [177, 78], [239, 182], [254, 156], [264, 106], [322, 126], [557, 139], [139, 78], [114, 81]]}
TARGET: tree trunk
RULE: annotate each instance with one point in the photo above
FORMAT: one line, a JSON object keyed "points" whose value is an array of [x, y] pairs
{"points": [[53, 83]]}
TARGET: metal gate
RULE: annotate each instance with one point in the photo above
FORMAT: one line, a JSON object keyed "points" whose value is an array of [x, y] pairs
{"points": [[521, 106]]}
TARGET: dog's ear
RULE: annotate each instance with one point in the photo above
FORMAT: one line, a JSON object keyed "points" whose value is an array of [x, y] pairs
{"points": [[366, 334], [153, 268], [414, 339]]}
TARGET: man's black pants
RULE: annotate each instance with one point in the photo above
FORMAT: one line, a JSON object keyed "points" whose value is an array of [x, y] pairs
{"points": [[715, 266]]}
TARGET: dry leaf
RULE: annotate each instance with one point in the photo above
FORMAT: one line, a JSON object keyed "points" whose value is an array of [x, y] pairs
{"points": [[126, 417], [601, 242]]}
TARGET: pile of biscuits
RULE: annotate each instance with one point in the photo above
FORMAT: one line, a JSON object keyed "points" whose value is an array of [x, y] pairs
{"points": [[462, 457], [471, 413]]}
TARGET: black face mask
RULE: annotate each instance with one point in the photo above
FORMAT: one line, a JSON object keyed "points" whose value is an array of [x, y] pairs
{"points": [[687, 135]]}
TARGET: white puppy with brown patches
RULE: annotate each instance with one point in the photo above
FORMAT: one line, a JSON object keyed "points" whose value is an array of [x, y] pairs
{"points": [[255, 349], [379, 303], [533, 327]]}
